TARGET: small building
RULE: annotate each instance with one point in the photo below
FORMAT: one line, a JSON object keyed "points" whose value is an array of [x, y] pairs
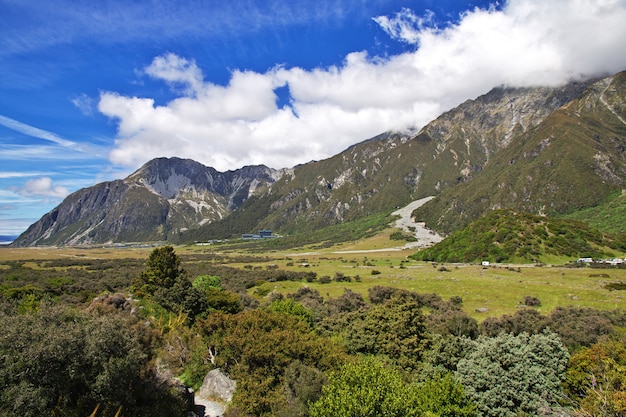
{"points": [[263, 234]]}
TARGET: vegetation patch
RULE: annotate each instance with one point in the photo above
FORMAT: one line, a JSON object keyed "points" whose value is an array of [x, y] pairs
{"points": [[508, 236], [292, 330]]}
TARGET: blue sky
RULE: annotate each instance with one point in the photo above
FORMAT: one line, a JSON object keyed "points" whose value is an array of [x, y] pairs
{"points": [[90, 91]]}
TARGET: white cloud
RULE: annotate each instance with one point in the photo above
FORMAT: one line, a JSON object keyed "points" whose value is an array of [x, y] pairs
{"points": [[406, 26], [47, 152], [84, 103], [35, 132], [43, 187], [176, 70], [16, 174], [525, 42]]}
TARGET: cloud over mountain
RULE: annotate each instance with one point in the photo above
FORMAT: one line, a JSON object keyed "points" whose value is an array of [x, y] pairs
{"points": [[523, 43]]}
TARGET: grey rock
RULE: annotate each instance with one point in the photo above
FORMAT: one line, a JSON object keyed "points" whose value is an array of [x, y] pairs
{"points": [[217, 386]]}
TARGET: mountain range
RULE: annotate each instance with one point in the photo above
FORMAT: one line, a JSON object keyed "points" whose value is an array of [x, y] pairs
{"points": [[543, 150]]}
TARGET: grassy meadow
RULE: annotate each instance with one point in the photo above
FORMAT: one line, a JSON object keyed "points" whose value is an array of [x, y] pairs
{"points": [[486, 291]]}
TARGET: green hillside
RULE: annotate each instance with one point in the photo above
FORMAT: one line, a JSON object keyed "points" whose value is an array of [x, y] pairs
{"points": [[507, 236], [609, 217]]}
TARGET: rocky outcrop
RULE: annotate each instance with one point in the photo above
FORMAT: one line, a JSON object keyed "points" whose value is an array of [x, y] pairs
{"points": [[217, 386]]}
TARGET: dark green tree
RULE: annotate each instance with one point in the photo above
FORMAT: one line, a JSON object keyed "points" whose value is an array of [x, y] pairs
{"points": [[167, 282], [163, 270]]}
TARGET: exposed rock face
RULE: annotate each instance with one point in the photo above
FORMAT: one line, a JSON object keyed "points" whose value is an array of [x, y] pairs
{"points": [[393, 169], [217, 386], [166, 196]]}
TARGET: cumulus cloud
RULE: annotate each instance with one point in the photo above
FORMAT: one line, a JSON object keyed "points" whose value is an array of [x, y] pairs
{"points": [[176, 70], [43, 187], [522, 43]]}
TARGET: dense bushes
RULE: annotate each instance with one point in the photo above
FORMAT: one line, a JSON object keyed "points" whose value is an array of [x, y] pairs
{"points": [[596, 379], [508, 375], [65, 362], [257, 348], [575, 326], [392, 353], [368, 387]]}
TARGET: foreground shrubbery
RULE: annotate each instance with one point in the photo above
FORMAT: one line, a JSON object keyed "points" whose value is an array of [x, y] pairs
{"points": [[396, 353], [62, 361]]}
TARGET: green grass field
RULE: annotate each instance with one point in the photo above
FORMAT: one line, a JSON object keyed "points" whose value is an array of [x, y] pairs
{"points": [[499, 289]]}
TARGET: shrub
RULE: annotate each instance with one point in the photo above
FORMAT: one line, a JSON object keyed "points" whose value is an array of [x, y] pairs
{"points": [[369, 388], [207, 281], [531, 301], [511, 375], [65, 362]]}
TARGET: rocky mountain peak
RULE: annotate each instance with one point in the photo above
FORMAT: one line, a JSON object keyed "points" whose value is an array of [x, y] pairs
{"points": [[165, 196]]}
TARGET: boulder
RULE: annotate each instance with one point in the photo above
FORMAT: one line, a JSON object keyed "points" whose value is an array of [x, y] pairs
{"points": [[217, 386]]}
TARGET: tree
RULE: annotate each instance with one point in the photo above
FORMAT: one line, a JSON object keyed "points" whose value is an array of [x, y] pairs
{"points": [[166, 281], [163, 269], [508, 375]]}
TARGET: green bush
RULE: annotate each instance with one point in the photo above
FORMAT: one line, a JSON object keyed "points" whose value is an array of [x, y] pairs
{"points": [[64, 362], [369, 388], [207, 281], [508, 376]]}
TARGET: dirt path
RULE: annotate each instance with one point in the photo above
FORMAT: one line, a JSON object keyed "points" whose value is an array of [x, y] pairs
{"points": [[210, 408], [425, 237]]}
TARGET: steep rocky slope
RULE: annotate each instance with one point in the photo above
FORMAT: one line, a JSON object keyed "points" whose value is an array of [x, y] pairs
{"points": [[163, 198], [574, 159], [393, 169]]}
